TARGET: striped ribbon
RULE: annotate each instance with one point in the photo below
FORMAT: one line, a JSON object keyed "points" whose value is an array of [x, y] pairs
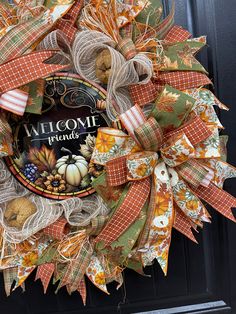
{"points": [[14, 101], [132, 119]]}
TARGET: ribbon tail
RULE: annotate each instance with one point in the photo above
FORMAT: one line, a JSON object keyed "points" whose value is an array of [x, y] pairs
{"points": [[9, 276], [220, 200], [28, 68], [183, 225], [161, 226], [82, 290], [45, 273], [126, 214]]}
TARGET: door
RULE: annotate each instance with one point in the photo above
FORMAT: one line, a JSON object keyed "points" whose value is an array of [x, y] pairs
{"points": [[201, 278]]}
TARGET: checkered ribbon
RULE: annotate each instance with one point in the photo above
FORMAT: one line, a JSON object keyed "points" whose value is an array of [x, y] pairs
{"points": [[150, 135], [14, 101], [177, 34], [66, 24], [195, 129], [143, 94], [57, 230], [194, 173], [22, 37], [126, 213], [116, 171], [218, 199], [181, 80], [44, 273], [25, 69], [183, 224]]}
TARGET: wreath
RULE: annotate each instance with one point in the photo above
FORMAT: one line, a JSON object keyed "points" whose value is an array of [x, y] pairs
{"points": [[109, 139]]}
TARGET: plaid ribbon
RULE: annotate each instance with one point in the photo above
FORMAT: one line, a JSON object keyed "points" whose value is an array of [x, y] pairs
{"points": [[127, 48], [57, 230], [25, 69], [218, 199], [177, 34], [183, 224], [97, 225], [9, 275], [77, 268], [194, 173], [82, 290], [143, 94], [22, 37], [181, 80], [44, 273], [126, 213], [150, 135], [195, 130], [14, 101]]}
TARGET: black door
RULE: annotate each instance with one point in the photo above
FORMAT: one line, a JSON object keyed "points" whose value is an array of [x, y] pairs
{"points": [[201, 278]]}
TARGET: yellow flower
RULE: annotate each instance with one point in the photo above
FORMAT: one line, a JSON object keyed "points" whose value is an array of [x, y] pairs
{"points": [[104, 142], [30, 259], [141, 170], [100, 278], [192, 205]]}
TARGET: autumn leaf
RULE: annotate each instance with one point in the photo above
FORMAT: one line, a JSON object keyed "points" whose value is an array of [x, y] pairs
{"points": [[167, 100], [43, 158]]}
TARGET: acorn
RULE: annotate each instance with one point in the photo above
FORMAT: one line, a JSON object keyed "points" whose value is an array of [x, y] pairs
{"points": [[103, 66], [18, 211]]}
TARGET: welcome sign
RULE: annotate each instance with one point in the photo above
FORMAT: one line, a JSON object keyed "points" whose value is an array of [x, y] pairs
{"points": [[52, 151]]}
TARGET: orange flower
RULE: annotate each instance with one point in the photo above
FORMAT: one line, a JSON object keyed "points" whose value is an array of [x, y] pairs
{"points": [[141, 170], [30, 259], [100, 278], [182, 195], [153, 163], [192, 205], [104, 142], [162, 204]]}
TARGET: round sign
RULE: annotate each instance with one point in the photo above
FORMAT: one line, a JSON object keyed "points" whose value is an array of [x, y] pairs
{"points": [[52, 151]]}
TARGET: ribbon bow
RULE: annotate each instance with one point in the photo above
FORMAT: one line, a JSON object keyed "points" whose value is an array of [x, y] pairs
{"points": [[161, 161]]}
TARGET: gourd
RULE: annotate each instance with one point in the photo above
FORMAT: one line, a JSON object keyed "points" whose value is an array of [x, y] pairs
{"points": [[72, 167]]}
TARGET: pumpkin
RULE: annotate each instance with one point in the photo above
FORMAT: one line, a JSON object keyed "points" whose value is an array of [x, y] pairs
{"points": [[72, 167]]}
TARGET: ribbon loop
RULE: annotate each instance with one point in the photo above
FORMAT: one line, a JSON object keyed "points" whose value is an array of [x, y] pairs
{"points": [[177, 150], [150, 135], [127, 48], [141, 165]]}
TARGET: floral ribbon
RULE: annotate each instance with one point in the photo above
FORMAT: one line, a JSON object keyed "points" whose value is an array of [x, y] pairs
{"points": [[179, 178]]}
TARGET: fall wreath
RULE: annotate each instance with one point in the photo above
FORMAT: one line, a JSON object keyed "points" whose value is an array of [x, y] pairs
{"points": [[109, 139]]}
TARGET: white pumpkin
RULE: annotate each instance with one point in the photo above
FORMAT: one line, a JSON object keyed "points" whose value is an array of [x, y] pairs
{"points": [[73, 167]]}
